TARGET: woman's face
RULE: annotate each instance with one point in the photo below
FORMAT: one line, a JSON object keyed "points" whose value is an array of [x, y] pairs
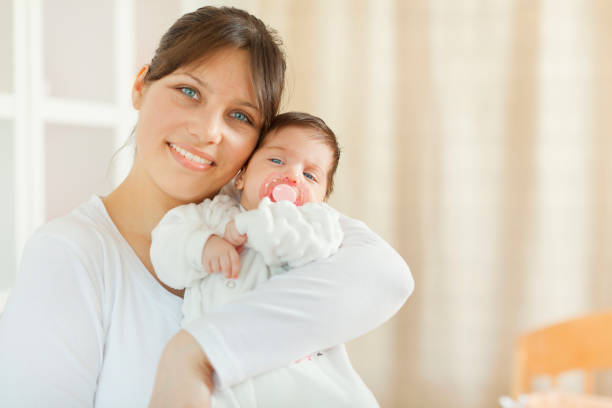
{"points": [[196, 126]]}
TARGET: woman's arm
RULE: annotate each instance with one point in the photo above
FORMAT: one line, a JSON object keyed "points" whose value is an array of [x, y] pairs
{"points": [[310, 308], [51, 332]]}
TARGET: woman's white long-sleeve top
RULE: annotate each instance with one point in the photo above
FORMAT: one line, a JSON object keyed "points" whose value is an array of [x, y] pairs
{"points": [[281, 236], [86, 323]]}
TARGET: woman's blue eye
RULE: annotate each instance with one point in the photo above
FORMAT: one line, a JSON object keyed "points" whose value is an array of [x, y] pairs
{"points": [[310, 176], [276, 161], [191, 93], [240, 116]]}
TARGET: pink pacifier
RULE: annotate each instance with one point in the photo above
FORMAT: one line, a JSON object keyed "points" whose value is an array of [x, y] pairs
{"points": [[280, 188], [284, 192]]}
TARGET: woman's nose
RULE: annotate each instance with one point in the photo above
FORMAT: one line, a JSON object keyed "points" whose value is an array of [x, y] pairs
{"points": [[208, 128]]}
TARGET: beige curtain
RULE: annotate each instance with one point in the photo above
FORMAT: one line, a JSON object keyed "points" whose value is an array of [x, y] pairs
{"points": [[477, 139]]}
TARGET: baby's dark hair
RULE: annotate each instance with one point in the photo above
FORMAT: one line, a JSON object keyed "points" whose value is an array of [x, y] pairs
{"points": [[323, 134]]}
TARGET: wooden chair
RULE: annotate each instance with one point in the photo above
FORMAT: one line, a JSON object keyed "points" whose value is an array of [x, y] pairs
{"points": [[579, 344]]}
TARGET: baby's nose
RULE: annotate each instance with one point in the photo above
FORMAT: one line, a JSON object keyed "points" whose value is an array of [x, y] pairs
{"points": [[292, 173]]}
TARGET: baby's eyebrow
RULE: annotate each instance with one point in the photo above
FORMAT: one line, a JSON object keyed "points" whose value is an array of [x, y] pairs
{"points": [[273, 147], [315, 166], [309, 164]]}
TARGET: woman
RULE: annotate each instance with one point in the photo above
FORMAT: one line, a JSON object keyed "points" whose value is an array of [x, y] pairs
{"points": [[88, 322]]}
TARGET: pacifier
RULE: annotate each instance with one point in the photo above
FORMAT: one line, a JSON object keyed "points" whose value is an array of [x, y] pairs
{"points": [[281, 188]]}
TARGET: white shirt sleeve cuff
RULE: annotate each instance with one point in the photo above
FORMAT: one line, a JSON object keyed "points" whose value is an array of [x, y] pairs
{"points": [[194, 247]]}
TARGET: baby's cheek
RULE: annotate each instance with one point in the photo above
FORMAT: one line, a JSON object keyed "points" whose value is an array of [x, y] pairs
{"points": [[318, 196]]}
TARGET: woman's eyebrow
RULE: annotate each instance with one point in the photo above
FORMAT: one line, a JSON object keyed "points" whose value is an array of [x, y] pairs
{"points": [[204, 85], [248, 105]]}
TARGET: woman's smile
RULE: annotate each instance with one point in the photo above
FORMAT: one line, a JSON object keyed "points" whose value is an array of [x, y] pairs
{"points": [[190, 157]]}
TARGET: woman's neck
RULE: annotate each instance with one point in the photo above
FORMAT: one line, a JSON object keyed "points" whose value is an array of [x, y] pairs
{"points": [[136, 207], [138, 204]]}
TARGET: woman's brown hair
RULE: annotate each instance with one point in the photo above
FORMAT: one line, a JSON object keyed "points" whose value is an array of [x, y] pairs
{"points": [[199, 34]]}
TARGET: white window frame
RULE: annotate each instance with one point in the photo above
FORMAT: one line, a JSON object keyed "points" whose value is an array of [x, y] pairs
{"points": [[30, 110]]}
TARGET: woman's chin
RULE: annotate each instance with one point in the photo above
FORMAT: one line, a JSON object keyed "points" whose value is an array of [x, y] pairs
{"points": [[188, 194]]}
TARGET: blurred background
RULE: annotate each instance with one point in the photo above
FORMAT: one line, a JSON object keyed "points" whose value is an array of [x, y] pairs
{"points": [[476, 135]]}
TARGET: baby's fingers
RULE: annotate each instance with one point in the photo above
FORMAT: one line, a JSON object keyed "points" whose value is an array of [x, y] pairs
{"points": [[237, 239], [215, 265], [225, 266], [240, 240], [208, 265], [235, 263]]}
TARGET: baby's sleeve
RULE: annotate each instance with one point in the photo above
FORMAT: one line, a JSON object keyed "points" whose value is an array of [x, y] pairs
{"points": [[289, 235], [179, 238]]}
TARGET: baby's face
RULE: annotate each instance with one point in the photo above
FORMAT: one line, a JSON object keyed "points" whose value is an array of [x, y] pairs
{"points": [[290, 164]]}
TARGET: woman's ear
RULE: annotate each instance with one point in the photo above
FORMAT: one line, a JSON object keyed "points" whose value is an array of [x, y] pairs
{"points": [[239, 180], [139, 87]]}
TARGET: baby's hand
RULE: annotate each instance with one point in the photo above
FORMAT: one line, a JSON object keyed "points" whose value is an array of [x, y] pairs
{"points": [[219, 255], [233, 236]]}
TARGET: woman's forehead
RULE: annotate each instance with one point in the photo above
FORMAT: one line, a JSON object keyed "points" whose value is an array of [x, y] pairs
{"points": [[226, 61]]}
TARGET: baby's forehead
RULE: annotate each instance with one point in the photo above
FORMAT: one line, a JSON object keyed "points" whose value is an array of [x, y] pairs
{"points": [[288, 135], [300, 141]]}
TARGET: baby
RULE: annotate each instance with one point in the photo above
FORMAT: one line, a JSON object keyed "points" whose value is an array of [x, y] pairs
{"points": [[273, 219]]}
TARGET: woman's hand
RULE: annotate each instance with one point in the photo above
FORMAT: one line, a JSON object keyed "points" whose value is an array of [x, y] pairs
{"points": [[184, 375]]}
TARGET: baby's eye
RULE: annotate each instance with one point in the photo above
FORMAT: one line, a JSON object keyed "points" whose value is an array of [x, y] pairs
{"points": [[276, 161], [240, 116], [310, 176], [189, 92]]}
